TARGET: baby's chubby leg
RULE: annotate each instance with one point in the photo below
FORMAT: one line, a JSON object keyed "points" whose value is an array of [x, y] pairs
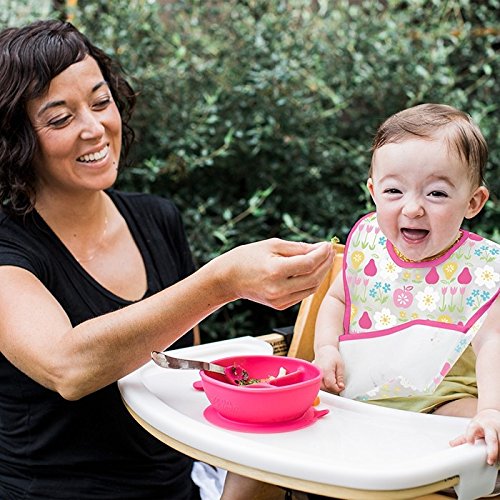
{"points": [[464, 407]]}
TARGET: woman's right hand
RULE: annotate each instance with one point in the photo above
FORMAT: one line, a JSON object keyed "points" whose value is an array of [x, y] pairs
{"points": [[274, 272]]}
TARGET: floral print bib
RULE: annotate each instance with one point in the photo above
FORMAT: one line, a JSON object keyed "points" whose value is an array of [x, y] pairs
{"points": [[407, 323], [384, 292]]}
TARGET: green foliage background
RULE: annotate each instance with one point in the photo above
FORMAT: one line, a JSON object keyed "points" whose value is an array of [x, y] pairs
{"points": [[257, 116]]}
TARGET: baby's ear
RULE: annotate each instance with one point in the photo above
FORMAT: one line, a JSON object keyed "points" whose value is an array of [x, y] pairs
{"points": [[478, 198], [369, 185]]}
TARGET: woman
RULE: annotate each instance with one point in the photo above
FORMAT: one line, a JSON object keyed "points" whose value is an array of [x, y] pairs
{"points": [[93, 279]]}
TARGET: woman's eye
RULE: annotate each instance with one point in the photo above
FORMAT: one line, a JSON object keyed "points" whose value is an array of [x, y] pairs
{"points": [[102, 103], [59, 122]]}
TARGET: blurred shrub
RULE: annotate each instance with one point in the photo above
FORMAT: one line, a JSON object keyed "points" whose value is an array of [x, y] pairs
{"points": [[257, 116]]}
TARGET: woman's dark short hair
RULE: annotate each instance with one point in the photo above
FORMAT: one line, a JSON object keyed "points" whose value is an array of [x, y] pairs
{"points": [[30, 57]]}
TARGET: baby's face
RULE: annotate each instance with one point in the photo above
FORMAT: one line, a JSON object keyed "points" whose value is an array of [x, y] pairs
{"points": [[422, 194]]}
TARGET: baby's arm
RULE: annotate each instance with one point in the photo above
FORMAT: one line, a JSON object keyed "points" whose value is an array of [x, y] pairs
{"points": [[328, 329], [486, 422]]}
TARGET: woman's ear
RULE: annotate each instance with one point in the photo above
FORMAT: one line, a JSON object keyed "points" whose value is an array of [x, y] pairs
{"points": [[478, 198]]}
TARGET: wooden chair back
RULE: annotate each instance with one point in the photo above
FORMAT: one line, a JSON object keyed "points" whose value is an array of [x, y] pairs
{"points": [[302, 344]]}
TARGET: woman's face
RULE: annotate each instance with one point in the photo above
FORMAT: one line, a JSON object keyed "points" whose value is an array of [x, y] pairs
{"points": [[79, 131]]}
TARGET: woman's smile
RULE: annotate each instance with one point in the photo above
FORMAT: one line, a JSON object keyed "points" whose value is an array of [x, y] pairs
{"points": [[95, 157]]}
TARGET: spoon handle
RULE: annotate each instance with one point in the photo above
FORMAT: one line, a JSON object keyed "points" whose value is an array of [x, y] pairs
{"points": [[165, 361]]}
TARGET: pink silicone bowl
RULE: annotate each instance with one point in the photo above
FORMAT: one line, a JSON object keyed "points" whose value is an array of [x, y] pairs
{"points": [[262, 405]]}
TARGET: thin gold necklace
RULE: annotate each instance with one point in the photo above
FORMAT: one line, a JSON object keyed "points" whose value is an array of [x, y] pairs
{"points": [[404, 258], [99, 243]]}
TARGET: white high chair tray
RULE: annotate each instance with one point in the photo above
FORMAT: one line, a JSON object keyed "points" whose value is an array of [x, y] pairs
{"points": [[356, 445]]}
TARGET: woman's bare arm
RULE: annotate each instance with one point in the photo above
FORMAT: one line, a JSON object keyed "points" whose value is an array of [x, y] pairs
{"points": [[37, 337]]}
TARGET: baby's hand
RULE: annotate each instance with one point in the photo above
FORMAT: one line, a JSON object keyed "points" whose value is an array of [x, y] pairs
{"points": [[329, 360], [486, 425]]}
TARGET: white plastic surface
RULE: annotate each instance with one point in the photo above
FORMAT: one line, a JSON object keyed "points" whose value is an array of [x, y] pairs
{"points": [[356, 445]]}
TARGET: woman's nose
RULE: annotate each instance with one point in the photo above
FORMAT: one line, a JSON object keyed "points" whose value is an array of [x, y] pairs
{"points": [[92, 126]]}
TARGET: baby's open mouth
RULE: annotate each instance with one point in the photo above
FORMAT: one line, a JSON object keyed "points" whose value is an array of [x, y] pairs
{"points": [[414, 234]]}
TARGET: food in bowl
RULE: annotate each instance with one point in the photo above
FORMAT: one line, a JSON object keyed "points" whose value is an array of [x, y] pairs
{"points": [[240, 376], [263, 403]]}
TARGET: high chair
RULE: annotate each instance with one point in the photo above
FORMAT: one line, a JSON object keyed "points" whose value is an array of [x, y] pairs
{"points": [[299, 343]]}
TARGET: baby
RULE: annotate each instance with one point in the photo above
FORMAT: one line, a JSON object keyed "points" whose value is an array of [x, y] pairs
{"points": [[413, 321]]}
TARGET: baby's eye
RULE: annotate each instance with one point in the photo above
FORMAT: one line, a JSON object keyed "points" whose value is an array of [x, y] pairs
{"points": [[392, 191], [438, 194]]}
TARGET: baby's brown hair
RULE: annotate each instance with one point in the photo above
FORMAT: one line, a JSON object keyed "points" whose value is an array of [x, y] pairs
{"points": [[425, 121]]}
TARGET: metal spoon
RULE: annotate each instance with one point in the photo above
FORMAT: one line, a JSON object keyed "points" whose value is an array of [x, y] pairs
{"points": [[233, 374]]}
